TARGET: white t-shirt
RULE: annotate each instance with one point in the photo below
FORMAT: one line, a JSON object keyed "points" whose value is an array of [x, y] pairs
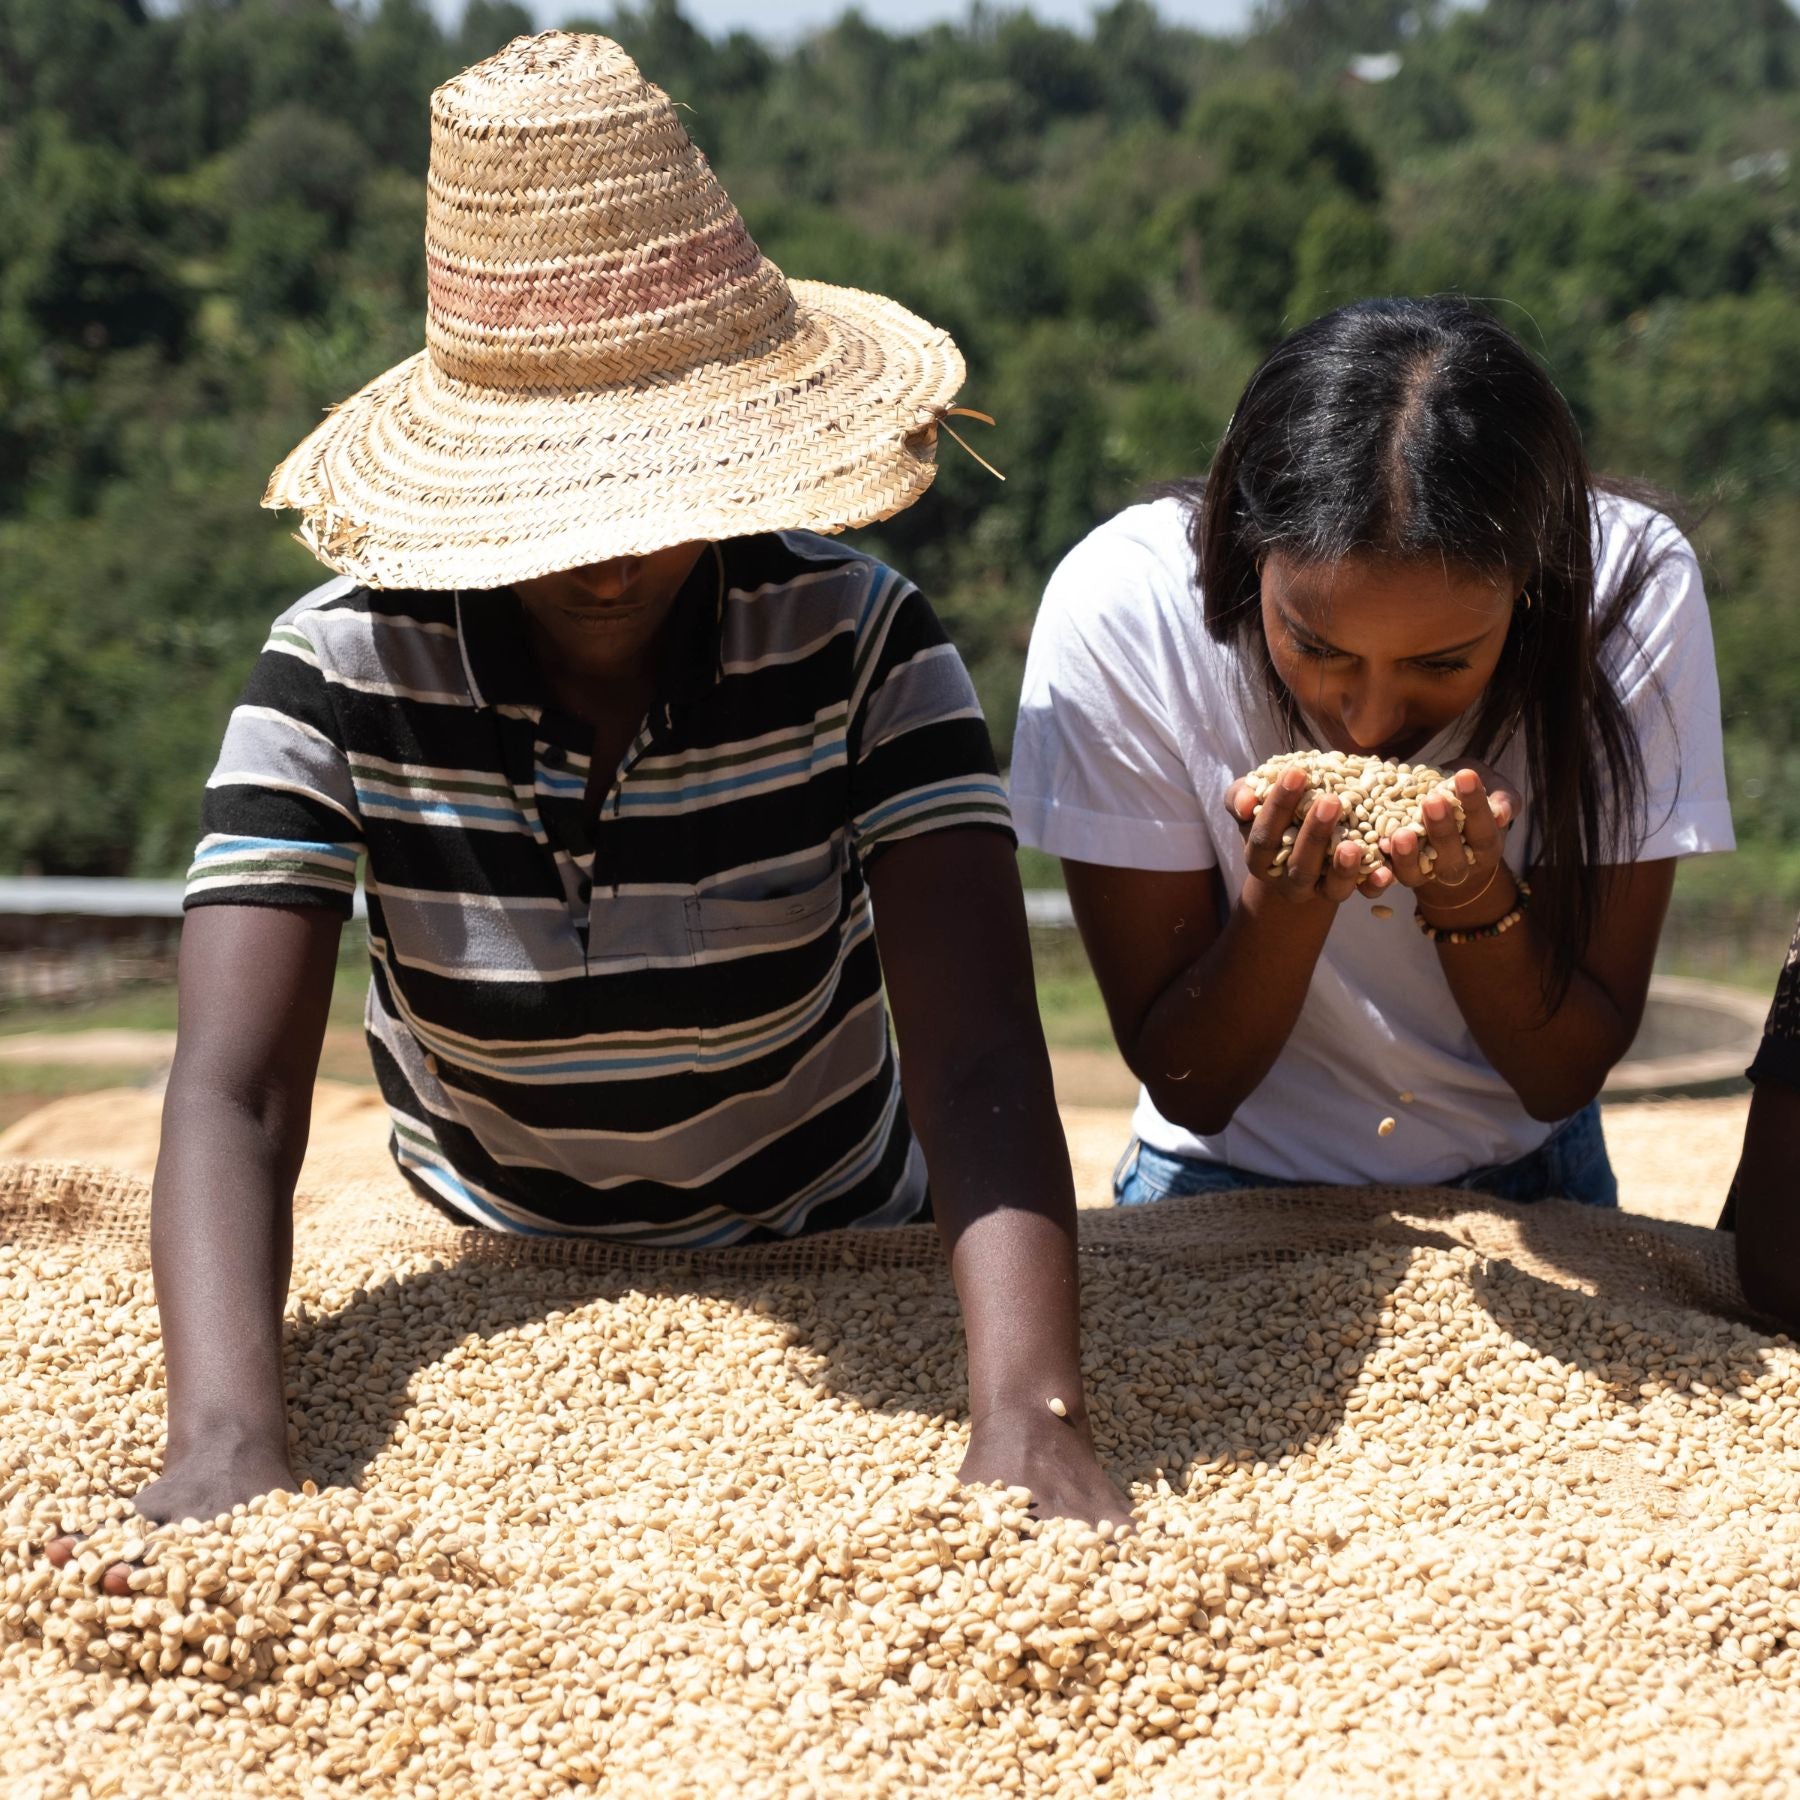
{"points": [[1134, 721]]}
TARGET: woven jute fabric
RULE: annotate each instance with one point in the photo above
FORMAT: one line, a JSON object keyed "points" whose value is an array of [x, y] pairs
{"points": [[612, 366], [1611, 1255]]}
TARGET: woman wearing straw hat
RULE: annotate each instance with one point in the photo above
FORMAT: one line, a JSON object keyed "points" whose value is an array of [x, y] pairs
{"points": [[652, 787]]}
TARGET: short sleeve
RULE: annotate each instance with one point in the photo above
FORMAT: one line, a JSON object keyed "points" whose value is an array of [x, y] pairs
{"points": [[279, 823], [1097, 773], [1779, 1057], [920, 755], [1669, 684]]}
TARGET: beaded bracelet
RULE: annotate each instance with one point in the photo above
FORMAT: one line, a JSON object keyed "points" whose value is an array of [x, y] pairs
{"points": [[1474, 934]]}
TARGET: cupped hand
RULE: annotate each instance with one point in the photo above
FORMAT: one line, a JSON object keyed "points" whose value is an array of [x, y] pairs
{"points": [[1314, 868], [199, 1488], [1028, 1446], [1466, 859]]}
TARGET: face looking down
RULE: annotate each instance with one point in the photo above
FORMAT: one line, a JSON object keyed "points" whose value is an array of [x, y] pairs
{"points": [[1380, 655], [608, 610]]}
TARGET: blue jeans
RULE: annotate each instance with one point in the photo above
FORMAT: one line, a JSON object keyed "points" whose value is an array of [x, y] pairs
{"points": [[1571, 1164]]}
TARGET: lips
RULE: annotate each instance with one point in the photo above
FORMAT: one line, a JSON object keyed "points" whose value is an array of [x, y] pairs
{"points": [[604, 612], [616, 601]]}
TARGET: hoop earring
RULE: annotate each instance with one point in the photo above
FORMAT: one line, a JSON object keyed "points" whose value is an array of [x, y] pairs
{"points": [[1525, 598]]}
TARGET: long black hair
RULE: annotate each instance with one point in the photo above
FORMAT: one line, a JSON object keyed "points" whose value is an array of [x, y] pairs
{"points": [[1424, 431]]}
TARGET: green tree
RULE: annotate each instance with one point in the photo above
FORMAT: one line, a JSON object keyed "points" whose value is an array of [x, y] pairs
{"points": [[211, 215], [1013, 265], [292, 156], [1277, 159], [400, 56], [490, 25], [1341, 255], [1706, 397], [84, 268], [277, 264]]}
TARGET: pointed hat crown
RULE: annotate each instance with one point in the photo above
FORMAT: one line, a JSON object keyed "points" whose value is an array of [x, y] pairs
{"points": [[575, 235], [610, 365]]}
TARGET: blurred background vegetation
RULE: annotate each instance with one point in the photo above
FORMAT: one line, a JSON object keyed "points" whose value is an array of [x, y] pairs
{"points": [[210, 229]]}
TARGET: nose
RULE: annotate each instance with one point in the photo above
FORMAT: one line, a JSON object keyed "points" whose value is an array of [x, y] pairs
{"points": [[608, 580], [1373, 715]]}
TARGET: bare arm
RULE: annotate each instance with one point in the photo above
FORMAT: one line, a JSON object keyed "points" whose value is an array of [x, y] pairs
{"points": [[1170, 969], [950, 926], [1557, 1063], [255, 989], [1765, 1205]]}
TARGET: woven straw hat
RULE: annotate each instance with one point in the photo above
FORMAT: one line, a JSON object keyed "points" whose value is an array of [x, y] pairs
{"points": [[611, 364]]}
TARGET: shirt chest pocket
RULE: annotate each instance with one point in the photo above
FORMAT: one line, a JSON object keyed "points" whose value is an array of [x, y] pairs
{"points": [[766, 965], [722, 929]]}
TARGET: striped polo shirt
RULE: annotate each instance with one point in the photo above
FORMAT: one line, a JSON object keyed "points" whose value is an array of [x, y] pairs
{"points": [[665, 1025]]}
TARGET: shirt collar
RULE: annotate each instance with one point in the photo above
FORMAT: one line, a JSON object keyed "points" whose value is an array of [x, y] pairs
{"points": [[694, 650], [490, 627], [498, 666]]}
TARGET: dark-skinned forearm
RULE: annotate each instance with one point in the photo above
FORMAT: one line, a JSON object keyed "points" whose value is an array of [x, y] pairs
{"points": [[1005, 1207], [255, 991], [1557, 1063], [221, 1240], [1767, 1205], [1255, 974]]}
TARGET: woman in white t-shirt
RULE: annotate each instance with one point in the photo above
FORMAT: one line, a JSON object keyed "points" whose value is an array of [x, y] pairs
{"points": [[1399, 551]]}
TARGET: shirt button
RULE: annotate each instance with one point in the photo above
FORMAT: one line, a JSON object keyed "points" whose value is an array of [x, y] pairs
{"points": [[554, 756], [431, 1064]]}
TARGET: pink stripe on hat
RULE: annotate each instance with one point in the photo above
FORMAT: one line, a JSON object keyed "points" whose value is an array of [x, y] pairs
{"points": [[640, 282]]}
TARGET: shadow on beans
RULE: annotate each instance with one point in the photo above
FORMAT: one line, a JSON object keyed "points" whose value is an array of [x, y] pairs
{"points": [[1245, 1356]]}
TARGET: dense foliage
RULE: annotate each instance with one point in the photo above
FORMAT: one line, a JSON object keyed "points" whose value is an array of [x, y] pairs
{"points": [[210, 229]]}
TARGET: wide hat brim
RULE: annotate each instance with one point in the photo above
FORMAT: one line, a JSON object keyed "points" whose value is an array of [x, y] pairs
{"points": [[424, 480]]}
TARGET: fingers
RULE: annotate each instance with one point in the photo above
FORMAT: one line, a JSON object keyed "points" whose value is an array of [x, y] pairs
{"points": [[1342, 874], [1316, 863], [1263, 843], [1461, 832], [59, 1552], [1501, 799], [1373, 883], [1461, 851], [1452, 866], [1485, 818], [1311, 854], [1402, 851]]}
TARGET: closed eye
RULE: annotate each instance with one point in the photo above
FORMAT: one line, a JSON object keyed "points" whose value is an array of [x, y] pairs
{"points": [[1443, 665], [1303, 647]]}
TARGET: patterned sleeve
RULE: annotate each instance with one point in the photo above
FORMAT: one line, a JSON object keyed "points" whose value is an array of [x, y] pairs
{"points": [[279, 823], [920, 756], [1779, 1057]]}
